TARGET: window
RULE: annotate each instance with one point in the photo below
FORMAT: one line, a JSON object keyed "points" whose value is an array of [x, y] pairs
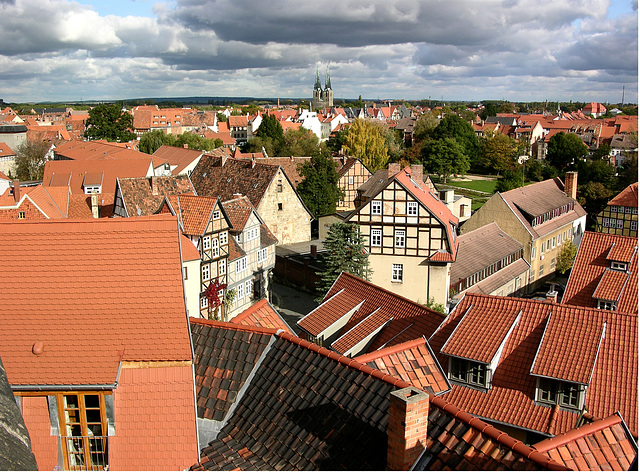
{"points": [[216, 215], [553, 242], [618, 265], [241, 265], [376, 207], [222, 266], [240, 292], [83, 428], [279, 206], [552, 264], [412, 209], [263, 254], [606, 305], [396, 273], [541, 271], [533, 253], [248, 288], [253, 233], [92, 189], [223, 238], [204, 303], [399, 238], [468, 372], [279, 187], [634, 226], [351, 180], [206, 243], [376, 237], [556, 392], [548, 245], [21, 215], [184, 273], [215, 249], [205, 272]]}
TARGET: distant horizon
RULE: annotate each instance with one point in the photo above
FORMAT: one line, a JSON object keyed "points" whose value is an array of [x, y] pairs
{"points": [[92, 50]]}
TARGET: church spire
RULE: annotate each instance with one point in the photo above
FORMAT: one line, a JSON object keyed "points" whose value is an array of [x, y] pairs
{"points": [[327, 81], [317, 85]]}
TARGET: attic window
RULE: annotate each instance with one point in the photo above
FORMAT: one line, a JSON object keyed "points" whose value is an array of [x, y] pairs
{"points": [[468, 372], [21, 215], [607, 305], [229, 180], [622, 266], [556, 392], [279, 188]]}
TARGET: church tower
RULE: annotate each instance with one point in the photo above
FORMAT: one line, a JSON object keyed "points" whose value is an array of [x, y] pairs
{"points": [[322, 98], [317, 92], [328, 91]]}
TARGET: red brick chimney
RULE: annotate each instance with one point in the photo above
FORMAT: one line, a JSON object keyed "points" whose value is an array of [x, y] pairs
{"points": [[571, 184], [16, 190], [416, 172], [407, 433], [394, 168]]}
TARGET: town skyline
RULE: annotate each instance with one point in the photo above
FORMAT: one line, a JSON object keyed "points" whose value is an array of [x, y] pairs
{"points": [[63, 51]]}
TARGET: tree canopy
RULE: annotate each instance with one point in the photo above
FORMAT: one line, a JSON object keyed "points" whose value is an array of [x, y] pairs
{"points": [[152, 140], [366, 141], [299, 142], [444, 157], [271, 128], [565, 149], [30, 159], [109, 122], [345, 252], [497, 152], [452, 126], [319, 190]]}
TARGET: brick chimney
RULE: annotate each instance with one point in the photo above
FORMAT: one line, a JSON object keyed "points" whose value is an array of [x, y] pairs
{"points": [[408, 420], [154, 185], [416, 172], [551, 296], [394, 168], [16, 190], [571, 184]]}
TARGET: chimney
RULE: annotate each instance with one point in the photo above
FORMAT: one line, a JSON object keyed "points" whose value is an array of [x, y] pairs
{"points": [[416, 172], [253, 161], [186, 146], [314, 251], [16, 190], [94, 205], [154, 185], [571, 184], [552, 296], [394, 168], [407, 433]]}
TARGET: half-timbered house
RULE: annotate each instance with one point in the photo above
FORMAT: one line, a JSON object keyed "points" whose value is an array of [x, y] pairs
{"points": [[204, 221], [410, 235]]}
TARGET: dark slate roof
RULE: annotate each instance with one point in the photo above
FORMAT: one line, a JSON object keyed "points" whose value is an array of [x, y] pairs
{"points": [[304, 407], [227, 177], [15, 445], [143, 196]]}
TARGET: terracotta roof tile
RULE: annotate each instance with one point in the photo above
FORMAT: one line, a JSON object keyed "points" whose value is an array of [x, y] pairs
{"points": [[263, 315], [239, 210], [622, 253], [177, 157], [331, 310], [611, 285], [138, 258], [189, 250], [144, 196], [510, 398], [608, 446], [364, 331], [195, 212], [413, 362], [591, 264]]}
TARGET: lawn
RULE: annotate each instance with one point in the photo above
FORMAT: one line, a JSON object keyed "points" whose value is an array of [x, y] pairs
{"points": [[488, 186]]}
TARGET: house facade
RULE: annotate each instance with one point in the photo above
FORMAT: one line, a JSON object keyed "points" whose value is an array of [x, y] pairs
{"points": [[620, 216], [252, 254], [353, 173], [542, 217], [410, 236]]}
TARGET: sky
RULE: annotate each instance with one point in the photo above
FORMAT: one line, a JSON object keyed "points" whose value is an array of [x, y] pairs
{"points": [[516, 50]]}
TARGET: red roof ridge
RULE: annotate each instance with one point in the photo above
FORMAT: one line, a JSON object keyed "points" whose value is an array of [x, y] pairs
{"points": [[236, 326], [499, 436], [577, 433], [349, 362], [390, 350]]}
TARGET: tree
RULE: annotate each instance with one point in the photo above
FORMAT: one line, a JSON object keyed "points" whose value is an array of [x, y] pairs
{"points": [[299, 142], [593, 196], [565, 149], [452, 126], [567, 257], [425, 124], [510, 179], [628, 174], [151, 141], [345, 252], [336, 142], [195, 141], [30, 159], [444, 157], [365, 141], [319, 190], [497, 152], [109, 122], [270, 127]]}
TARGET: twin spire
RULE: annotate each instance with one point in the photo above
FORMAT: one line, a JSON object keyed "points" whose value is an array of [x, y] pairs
{"points": [[327, 80]]}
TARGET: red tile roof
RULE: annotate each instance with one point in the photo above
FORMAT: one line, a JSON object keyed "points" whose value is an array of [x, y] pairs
{"points": [[362, 333], [239, 210], [177, 157], [611, 285], [510, 398], [189, 251], [143, 196], [622, 253], [413, 362], [194, 211], [263, 315], [591, 264], [84, 305], [410, 320], [605, 444]]}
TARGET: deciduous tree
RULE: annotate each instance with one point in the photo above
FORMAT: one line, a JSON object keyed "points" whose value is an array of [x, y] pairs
{"points": [[565, 149], [497, 152], [444, 157], [299, 142], [567, 257], [109, 122], [319, 190], [365, 141], [30, 159], [151, 141], [345, 252]]}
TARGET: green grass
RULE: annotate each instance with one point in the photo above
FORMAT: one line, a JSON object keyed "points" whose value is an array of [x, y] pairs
{"points": [[488, 186]]}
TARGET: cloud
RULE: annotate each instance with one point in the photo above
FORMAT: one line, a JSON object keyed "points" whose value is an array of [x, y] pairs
{"points": [[386, 48]]}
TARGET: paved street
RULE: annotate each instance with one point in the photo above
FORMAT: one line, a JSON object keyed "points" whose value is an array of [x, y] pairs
{"points": [[292, 304]]}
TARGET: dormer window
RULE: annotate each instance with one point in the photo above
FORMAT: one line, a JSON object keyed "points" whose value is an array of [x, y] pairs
{"points": [[558, 392], [468, 372], [88, 190], [615, 265], [607, 305]]}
